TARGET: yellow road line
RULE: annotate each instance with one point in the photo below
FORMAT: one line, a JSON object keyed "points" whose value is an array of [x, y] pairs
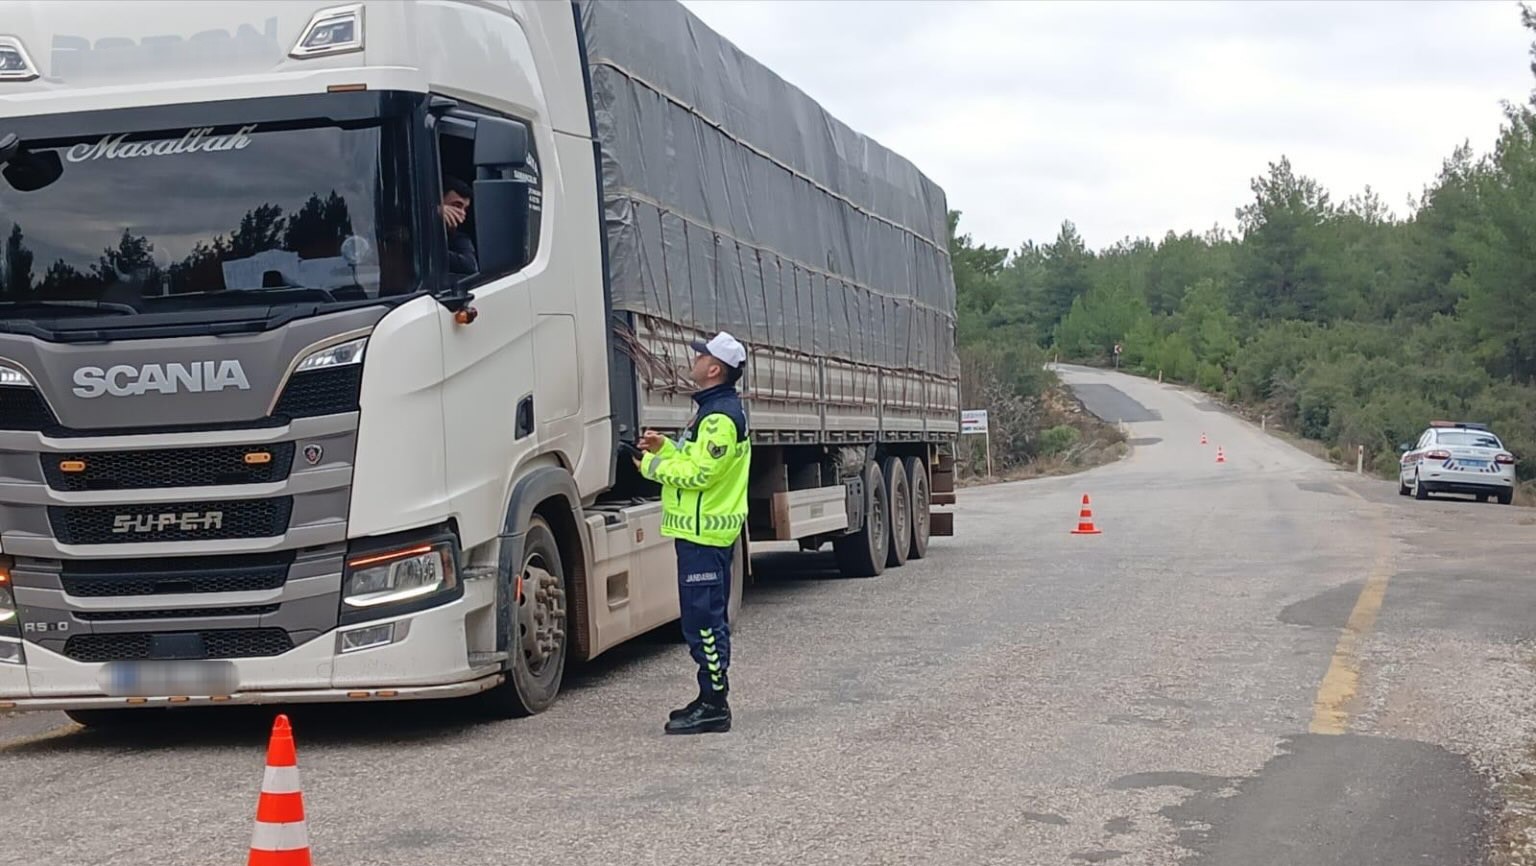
{"points": [[1330, 710]]}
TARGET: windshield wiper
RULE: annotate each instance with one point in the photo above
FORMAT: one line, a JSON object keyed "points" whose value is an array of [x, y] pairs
{"points": [[12, 309]]}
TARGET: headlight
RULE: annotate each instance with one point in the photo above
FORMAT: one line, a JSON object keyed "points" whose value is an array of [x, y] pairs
{"points": [[400, 575], [8, 622], [340, 355], [13, 377]]}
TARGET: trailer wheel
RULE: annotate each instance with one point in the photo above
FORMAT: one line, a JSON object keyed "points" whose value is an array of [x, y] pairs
{"points": [[901, 512], [862, 554], [922, 507], [537, 643]]}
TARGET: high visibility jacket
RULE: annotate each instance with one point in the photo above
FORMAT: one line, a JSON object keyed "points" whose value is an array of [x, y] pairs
{"points": [[704, 478]]}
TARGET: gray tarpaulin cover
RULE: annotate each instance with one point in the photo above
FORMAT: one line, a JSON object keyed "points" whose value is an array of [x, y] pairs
{"points": [[734, 201]]}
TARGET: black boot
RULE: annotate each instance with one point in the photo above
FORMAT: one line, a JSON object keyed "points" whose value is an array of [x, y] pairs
{"points": [[710, 715], [692, 705]]}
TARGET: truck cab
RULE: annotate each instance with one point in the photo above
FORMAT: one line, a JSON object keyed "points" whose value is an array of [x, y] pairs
{"points": [[258, 439]]}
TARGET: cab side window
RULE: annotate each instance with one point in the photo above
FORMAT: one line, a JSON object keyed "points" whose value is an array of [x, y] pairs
{"points": [[491, 194]]}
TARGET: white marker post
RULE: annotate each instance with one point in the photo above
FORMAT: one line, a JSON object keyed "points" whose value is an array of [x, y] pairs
{"points": [[973, 421], [1359, 459]]}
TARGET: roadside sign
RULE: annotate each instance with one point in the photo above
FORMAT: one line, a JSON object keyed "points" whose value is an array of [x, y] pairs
{"points": [[973, 421]]}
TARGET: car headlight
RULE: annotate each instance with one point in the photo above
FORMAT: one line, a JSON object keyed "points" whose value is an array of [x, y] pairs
{"points": [[399, 576]]}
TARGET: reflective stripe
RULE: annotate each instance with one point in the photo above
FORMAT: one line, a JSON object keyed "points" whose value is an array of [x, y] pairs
{"points": [[280, 780], [280, 837], [280, 808]]}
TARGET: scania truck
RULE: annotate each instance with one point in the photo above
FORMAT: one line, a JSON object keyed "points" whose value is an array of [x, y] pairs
{"points": [[286, 417]]}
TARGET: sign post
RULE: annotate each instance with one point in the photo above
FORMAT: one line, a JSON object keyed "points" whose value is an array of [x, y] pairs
{"points": [[973, 421]]}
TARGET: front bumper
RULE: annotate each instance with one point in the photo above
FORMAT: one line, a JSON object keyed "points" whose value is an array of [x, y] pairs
{"points": [[432, 660]]}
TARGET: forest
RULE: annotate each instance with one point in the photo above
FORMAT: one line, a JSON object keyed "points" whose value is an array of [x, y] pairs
{"points": [[1345, 322]]}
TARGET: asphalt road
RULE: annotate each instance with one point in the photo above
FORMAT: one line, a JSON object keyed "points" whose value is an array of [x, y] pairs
{"points": [[1265, 661]]}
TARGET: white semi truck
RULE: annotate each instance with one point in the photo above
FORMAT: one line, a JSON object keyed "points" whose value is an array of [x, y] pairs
{"points": [[273, 431]]}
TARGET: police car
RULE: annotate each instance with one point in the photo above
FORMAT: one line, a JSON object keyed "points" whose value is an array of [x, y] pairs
{"points": [[1458, 457]]}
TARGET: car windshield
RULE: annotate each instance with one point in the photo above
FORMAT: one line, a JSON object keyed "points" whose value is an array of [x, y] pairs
{"points": [[108, 223], [1468, 438]]}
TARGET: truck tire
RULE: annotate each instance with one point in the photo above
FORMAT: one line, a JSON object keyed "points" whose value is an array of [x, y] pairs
{"points": [[538, 641], [922, 505], [900, 492], [862, 553]]}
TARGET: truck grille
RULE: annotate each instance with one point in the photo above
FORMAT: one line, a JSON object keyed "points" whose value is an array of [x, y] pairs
{"points": [[106, 578], [234, 643], [172, 521], [321, 392], [174, 613], [171, 467], [23, 409]]}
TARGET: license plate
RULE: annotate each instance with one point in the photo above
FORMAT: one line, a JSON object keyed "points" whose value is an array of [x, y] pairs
{"points": [[152, 679], [1473, 464]]}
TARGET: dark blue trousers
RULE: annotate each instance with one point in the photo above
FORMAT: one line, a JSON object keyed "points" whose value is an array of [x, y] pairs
{"points": [[703, 593]]}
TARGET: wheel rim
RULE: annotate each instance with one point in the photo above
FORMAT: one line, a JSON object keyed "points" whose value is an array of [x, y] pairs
{"points": [[877, 524], [920, 504], [540, 615], [900, 515]]}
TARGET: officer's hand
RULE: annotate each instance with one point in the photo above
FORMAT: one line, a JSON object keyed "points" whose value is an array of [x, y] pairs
{"points": [[651, 441]]}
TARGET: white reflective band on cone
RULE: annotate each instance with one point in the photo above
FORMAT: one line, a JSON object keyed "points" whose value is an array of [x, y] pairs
{"points": [[280, 837], [280, 780]]}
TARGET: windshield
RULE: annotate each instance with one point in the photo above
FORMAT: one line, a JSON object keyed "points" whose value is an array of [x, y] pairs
{"points": [[1469, 438], [204, 217]]}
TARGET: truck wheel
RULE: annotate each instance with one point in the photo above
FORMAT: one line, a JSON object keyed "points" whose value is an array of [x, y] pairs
{"points": [[862, 554], [536, 643], [922, 505], [901, 512]]}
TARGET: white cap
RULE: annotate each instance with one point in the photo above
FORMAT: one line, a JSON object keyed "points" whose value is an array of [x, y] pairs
{"points": [[724, 348]]}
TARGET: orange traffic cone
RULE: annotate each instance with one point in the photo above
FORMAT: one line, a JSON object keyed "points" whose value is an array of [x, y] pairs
{"points": [[1203, 440], [1221, 456], [281, 837], [1085, 520]]}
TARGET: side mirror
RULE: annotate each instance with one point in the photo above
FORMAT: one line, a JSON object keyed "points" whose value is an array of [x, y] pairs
{"points": [[1404, 447], [30, 172], [500, 143], [507, 196]]}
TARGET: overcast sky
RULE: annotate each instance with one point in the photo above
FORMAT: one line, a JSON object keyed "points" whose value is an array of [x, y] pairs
{"points": [[1134, 118]]}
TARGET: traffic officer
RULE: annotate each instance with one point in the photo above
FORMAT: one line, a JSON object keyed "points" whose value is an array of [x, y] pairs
{"points": [[703, 477]]}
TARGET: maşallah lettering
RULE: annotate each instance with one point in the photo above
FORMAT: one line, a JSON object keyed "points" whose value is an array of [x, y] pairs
{"points": [[199, 140]]}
